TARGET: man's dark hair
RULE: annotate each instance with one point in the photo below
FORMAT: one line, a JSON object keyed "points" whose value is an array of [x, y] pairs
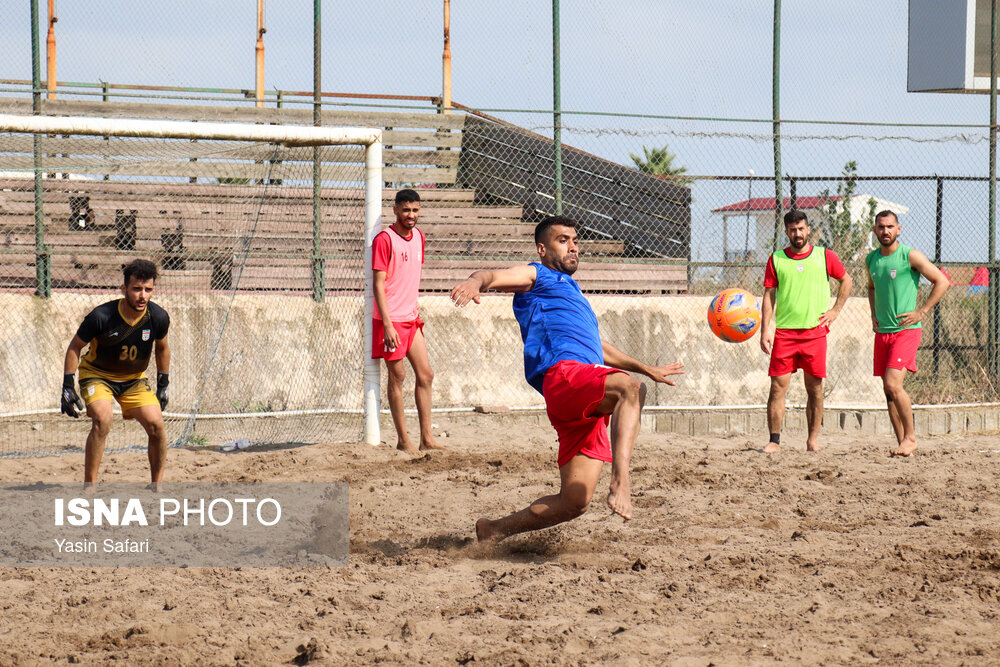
{"points": [[140, 269], [885, 214], [794, 216], [407, 196], [542, 227]]}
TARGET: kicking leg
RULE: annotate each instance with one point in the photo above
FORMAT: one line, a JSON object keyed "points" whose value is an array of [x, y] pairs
{"points": [[578, 479], [422, 391], [814, 410], [776, 408], [624, 397]]}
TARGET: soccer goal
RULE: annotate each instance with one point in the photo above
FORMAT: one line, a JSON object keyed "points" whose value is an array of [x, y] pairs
{"points": [[262, 235]]}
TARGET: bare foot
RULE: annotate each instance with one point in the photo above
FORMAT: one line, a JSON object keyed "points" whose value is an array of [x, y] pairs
{"points": [[906, 448], [771, 448], [431, 444], [812, 447], [407, 447], [620, 500], [484, 531]]}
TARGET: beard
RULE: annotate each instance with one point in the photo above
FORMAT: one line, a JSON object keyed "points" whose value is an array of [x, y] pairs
{"points": [[568, 267], [133, 302], [799, 245], [888, 242]]}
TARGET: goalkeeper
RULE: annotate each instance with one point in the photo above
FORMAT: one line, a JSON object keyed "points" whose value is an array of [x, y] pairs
{"points": [[121, 334]]}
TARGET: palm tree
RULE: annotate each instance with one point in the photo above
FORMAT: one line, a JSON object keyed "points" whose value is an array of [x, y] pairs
{"points": [[658, 162]]}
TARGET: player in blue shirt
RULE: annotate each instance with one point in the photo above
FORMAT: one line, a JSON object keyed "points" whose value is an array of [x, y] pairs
{"points": [[580, 376]]}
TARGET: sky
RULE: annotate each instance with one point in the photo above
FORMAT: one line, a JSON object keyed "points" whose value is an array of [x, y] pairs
{"points": [[840, 60]]}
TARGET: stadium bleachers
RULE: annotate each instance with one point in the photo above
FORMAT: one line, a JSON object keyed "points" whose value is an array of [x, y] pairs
{"points": [[198, 235]]}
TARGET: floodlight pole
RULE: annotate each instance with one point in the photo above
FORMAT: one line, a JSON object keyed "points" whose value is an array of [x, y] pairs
{"points": [[50, 51], [557, 188], [776, 119], [43, 275], [446, 61], [993, 291], [259, 55]]}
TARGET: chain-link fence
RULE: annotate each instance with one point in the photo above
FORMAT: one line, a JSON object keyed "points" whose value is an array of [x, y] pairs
{"points": [[667, 161], [255, 289]]}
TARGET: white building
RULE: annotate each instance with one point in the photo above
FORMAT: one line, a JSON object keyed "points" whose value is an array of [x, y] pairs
{"points": [[748, 225]]}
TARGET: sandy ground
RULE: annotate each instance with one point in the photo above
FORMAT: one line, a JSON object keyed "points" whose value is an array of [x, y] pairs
{"points": [[733, 558]]}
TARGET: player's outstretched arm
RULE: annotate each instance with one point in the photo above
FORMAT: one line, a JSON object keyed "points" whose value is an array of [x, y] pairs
{"points": [[919, 261], [617, 359], [514, 279]]}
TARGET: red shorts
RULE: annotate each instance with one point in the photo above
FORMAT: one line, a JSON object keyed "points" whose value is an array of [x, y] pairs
{"points": [[572, 392], [407, 332], [792, 351], [896, 350]]}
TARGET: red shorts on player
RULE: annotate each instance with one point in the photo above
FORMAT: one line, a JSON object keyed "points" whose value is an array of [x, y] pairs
{"points": [[791, 351], [572, 392], [896, 350], [407, 332]]}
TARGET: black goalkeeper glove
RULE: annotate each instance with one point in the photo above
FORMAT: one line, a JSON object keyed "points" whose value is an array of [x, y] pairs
{"points": [[162, 380], [71, 401]]}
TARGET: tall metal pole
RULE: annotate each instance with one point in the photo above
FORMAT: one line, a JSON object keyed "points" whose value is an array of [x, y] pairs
{"points": [[446, 60], [50, 51], [776, 120], [259, 53], [746, 236], [557, 111], [993, 293], [318, 266], [938, 226], [43, 276]]}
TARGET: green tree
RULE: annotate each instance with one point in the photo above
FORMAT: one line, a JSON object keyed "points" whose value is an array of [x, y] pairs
{"points": [[659, 162], [835, 228]]}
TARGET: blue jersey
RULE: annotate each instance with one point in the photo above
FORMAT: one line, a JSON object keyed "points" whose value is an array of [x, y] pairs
{"points": [[557, 323]]}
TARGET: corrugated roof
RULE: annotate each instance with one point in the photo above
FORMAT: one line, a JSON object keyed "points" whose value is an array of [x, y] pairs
{"points": [[767, 204]]}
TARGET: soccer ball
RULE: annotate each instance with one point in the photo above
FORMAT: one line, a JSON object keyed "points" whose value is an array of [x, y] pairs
{"points": [[734, 315]]}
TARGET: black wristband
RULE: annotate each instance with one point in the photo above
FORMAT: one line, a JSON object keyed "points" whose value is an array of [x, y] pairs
{"points": [[69, 380], [162, 380]]}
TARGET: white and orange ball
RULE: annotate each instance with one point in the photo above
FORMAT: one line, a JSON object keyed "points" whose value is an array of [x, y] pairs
{"points": [[734, 315]]}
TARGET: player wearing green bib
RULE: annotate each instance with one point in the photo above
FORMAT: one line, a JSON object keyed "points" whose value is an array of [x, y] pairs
{"points": [[797, 298], [894, 272]]}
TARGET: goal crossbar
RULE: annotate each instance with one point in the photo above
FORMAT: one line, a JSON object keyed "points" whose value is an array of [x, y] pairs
{"points": [[289, 135]]}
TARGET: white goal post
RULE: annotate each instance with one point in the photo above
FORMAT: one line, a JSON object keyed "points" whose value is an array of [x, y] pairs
{"points": [[290, 136]]}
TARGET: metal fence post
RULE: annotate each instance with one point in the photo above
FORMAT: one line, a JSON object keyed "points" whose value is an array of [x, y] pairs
{"points": [[993, 296], [318, 265], [43, 269], [557, 111], [938, 223], [776, 119]]}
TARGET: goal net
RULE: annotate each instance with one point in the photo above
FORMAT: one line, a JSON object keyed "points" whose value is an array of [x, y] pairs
{"points": [[262, 236]]}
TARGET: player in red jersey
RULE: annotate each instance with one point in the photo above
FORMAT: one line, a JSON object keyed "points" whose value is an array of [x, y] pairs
{"points": [[398, 331]]}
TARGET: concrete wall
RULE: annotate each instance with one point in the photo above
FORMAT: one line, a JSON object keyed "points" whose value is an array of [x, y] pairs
{"points": [[282, 352], [479, 348]]}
